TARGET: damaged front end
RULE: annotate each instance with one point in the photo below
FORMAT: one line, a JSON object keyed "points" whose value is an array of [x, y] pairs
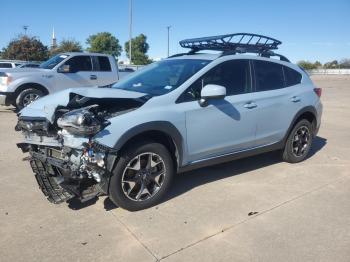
{"points": [[64, 157]]}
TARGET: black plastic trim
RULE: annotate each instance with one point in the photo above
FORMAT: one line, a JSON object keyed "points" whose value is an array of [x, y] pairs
{"points": [[231, 157], [307, 109], [162, 126]]}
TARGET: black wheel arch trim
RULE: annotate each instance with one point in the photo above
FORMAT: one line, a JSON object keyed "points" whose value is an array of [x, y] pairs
{"points": [[307, 109], [161, 126]]}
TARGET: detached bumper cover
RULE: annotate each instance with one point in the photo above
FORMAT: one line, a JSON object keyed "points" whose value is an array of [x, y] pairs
{"points": [[58, 181], [48, 184]]}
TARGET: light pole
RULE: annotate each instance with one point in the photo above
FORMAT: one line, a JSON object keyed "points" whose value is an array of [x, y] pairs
{"points": [[168, 27], [130, 28], [25, 27]]}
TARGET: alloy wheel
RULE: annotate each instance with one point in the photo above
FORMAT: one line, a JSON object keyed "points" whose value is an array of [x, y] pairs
{"points": [[143, 176], [301, 141], [29, 98]]}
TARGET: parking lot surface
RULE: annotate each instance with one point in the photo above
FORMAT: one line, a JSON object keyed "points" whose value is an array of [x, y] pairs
{"points": [[254, 209]]}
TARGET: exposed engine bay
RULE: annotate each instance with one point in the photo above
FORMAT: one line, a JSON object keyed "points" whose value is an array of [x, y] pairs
{"points": [[66, 160]]}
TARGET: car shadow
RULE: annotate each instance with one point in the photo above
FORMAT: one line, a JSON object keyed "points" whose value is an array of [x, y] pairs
{"points": [[317, 144], [187, 181], [76, 204]]}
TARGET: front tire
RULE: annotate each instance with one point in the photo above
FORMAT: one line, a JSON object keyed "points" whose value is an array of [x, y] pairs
{"points": [[142, 176], [299, 142], [27, 96]]}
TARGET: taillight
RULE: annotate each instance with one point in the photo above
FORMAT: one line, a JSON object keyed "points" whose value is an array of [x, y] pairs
{"points": [[318, 91]]}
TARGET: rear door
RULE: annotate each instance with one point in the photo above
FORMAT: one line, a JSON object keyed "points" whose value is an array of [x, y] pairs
{"points": [[225, 125], [277, 100], [80, 75]]}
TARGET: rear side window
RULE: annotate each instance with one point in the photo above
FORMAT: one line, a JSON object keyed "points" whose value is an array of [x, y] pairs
{"points": [[80, 63], [5, 65], [268, 75], [104, 64], [292, 77]]}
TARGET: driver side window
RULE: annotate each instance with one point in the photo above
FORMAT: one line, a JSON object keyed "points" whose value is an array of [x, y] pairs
{"points": [[234, 75], [79, 63]]}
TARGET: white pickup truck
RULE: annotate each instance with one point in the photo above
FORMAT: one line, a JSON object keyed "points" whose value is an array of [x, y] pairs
{"points": [[21, 86]]}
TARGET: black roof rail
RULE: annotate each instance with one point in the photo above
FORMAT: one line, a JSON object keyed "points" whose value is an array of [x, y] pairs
{"points": [[234, 43]]}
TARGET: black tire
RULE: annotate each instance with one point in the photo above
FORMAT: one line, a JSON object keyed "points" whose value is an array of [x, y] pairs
{"points": [[292, 152], [22, 98], [117, 188]]}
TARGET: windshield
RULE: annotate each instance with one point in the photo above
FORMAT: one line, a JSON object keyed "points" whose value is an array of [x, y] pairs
{"points": [[53, 61], [162, 77]]}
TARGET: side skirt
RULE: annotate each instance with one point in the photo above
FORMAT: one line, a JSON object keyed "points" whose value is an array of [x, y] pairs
{"points": [[231, 156]]}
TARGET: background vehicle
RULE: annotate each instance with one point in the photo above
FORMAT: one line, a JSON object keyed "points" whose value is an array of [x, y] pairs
{"points": [[9, 64], [123, 72], [188, 111], [21, 86], [29, 65]]}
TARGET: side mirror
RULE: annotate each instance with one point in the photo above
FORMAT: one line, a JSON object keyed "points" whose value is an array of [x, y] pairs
{"points": [[64, 69], [211, 92]]}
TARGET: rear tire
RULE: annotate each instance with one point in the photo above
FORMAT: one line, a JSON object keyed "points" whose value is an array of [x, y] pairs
{"points": [[27, 96], [142, 176], [299, 142]]}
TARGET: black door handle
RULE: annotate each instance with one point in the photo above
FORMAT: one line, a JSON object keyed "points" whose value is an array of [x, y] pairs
{"points": [[93, 77]]}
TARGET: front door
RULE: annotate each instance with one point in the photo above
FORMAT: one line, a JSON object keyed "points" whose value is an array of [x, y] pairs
{"points": [[225, 125], [80, 75]]}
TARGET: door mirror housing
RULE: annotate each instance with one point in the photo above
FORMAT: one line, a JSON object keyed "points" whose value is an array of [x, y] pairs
{"points": [[212, 92], [64, 69]]}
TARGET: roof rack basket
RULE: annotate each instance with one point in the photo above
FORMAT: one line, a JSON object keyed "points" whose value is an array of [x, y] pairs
{"points": [[235, 43]]}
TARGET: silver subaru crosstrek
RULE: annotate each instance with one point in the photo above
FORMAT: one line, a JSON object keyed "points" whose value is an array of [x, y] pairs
{"points": [[187, 111]]}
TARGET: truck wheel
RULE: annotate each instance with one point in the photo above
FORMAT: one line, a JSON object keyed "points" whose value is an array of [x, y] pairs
{"points": [[27, 96], [299, 142], [142, 176]]}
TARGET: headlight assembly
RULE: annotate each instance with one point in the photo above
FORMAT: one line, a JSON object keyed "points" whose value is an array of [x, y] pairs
{"points": [[82, 122]]}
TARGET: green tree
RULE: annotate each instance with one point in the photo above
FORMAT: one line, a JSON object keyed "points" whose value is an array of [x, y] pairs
{"points": [[25, 48], [139, 49], [67, 45], [345, 63], [307, 65], [331, 65], [104, 42], [318, 64]]}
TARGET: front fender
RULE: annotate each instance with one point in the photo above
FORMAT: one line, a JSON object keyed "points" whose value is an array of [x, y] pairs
{"points": [[126, 126], [17, 83]]}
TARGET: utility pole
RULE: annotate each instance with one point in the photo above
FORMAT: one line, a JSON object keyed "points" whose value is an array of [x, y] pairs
{"points": [[25, 28], [168, 27], [130, 28]]}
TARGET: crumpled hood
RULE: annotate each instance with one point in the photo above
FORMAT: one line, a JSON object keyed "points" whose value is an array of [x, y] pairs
{"points": [[45, 107]]}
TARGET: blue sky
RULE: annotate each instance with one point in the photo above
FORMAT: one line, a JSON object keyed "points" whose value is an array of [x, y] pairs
{"points": [[311, 30]]}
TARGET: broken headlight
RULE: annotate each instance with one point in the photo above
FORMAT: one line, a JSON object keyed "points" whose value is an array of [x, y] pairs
{"points": [[82, 122]]}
